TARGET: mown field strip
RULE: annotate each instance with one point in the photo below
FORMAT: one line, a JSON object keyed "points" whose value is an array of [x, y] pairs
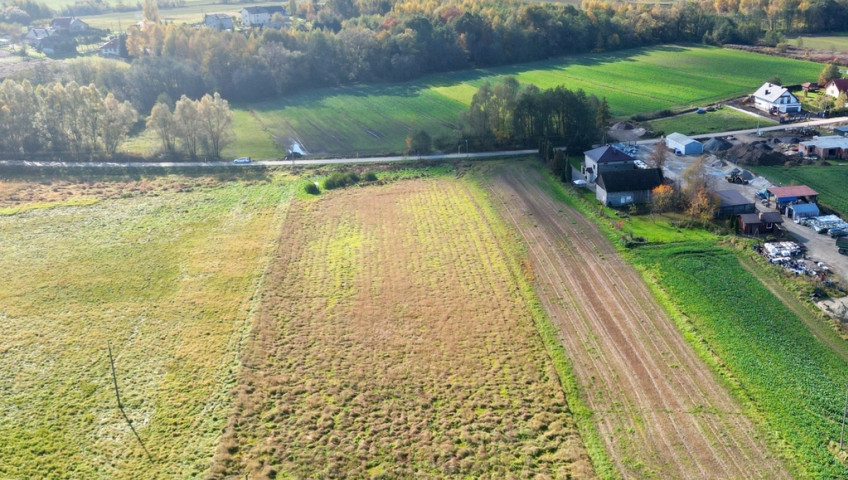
{"points": [[392, 342], [661, 411]]}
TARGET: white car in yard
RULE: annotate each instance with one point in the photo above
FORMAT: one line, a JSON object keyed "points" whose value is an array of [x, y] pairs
{"points": [[241, 160]]}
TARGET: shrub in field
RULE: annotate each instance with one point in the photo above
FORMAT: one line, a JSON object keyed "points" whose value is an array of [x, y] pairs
{"points": [[312, 189], [340, 180], [370, 177]]}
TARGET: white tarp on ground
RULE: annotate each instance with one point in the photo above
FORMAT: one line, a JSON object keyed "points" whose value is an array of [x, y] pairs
{"points": [[782, 249]]}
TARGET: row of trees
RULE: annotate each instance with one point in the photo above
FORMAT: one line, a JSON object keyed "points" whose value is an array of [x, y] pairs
{"points": [[405, 42], [61, 119], [508, 114], [194, 127]]}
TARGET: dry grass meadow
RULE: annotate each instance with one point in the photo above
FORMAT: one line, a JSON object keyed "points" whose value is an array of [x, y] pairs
{"points": [[393, 340], [164, 268]]}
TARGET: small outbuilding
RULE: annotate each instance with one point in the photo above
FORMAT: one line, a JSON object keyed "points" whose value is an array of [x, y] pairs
{"points": [[731, 203], [617, 188], [802, 210], [678, 142], [783, 196], [841, 130], [759, 223]]}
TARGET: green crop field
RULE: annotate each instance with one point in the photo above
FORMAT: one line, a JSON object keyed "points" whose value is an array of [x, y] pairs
{"points": [[833, 43], [829, 181], [375, 120], [795, 382], [161, 267], [718, 121]]}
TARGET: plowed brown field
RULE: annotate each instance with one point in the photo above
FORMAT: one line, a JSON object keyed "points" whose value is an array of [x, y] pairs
{"points": [[660, 410], [392, 342]]}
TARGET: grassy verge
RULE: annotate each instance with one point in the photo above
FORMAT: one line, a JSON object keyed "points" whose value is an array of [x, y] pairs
{"points": [[722, 120]]}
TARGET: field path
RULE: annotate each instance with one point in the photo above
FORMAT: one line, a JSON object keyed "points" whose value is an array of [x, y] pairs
{"points": [[660, 411]]}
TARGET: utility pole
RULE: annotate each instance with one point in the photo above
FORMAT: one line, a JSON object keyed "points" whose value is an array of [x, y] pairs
{"points": [[121, 406]]}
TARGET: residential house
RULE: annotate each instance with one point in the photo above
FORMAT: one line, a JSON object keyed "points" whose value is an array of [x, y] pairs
{"points": [[34, 36], [776, 99], [732, 203], [113, 47], [616, 188], [218, 21], [605, 158], [68, 24], [830, 146], [759, 223], [678, 142], [260, 16], [836, 86]]}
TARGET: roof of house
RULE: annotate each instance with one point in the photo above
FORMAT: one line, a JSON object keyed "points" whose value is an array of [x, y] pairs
{"points": [[681, 139], [630, 180], [805, 208], [771, 217], [38, 33], [829, 141], [269, 10], [608, 154], [840, 83], [792, 191], [749, 218], [732, 198], [113, 44], [65, 22], [770, 92]]}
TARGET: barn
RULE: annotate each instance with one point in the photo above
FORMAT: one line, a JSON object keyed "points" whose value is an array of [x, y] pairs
{"points": [[616, 188], [731, 203], [678, 142], [802, 210], [757, 224], [783, 196]]}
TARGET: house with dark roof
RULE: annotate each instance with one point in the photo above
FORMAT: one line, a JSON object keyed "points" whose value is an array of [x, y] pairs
{"points": [[260, 16], [836, 86], [731, 203], [68, 24], [776, 99], [616, 188], [603, 159], [34, 36], [218, 21], [759, 223]]}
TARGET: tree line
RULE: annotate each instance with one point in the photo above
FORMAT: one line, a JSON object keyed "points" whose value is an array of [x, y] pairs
{"points": [[344, 41], [61, 119], [194, 127], [509, 114]]}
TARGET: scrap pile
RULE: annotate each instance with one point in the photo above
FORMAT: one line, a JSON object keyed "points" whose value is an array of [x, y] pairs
{"points": [[789, 256], [825, 223]]}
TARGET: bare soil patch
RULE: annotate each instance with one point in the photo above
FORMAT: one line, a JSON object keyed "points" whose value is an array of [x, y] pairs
{"points": [[392, 343], [661, 412]]}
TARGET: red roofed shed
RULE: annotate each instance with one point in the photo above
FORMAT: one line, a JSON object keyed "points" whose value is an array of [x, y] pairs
{"points": [[792, 193]]}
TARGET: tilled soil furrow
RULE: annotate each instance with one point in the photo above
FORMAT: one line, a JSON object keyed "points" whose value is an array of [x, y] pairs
{"points": [[660, 410]]}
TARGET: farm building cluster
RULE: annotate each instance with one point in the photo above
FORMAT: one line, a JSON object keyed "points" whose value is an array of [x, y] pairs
{"points": [[617, 177]]}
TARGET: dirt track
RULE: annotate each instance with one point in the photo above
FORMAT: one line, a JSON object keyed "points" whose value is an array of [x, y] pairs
{"points": [[661, 412]]}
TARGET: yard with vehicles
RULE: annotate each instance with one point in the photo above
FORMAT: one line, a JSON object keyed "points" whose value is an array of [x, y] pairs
{"points": [[377, 120], [829, 181]]}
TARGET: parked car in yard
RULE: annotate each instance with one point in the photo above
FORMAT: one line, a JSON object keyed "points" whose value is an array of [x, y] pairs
{"points": [[838, 232], [241, 160]]}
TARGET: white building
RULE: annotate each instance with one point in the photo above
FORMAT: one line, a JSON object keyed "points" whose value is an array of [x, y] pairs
{"points": [[776, 99], [678, 142], [259, 16]]}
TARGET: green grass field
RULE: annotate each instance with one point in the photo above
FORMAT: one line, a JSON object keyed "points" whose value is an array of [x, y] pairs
{"points": [[375, 120], [833, 43], [795, 382], [829, 181], [718, 121], [164, 270]]}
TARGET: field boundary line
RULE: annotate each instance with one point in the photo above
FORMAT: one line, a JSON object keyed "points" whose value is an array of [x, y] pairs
{"points": [[582, 414]]}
